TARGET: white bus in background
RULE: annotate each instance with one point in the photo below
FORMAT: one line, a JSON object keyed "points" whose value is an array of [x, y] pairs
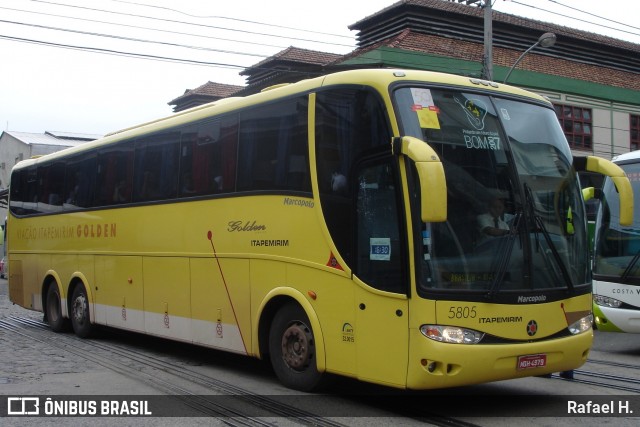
{"points": [[616, 263]]}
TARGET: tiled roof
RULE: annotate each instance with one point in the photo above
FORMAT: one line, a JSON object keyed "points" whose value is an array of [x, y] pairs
{"points": [[497, 18], [289, 65], [209, 89], [294, 55], [470, 51]]}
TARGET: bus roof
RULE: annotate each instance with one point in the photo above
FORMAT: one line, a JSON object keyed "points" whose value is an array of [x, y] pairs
{"points": [[377, 78], [633, 155]]}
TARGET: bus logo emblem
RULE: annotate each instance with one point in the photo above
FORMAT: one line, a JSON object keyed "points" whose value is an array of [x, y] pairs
{"points": [[532, 328]]}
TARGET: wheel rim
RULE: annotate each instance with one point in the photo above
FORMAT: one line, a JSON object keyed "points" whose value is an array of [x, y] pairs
{"points": [[297, 346], [79, 309]]}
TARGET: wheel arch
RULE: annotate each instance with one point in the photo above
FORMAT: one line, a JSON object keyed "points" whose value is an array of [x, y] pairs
{"points": [[51, 278], [79, 279], [270, 305]]}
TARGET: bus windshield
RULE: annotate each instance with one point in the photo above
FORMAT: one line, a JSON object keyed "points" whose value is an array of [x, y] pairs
{"points": [[512, 200], [618, 248]]}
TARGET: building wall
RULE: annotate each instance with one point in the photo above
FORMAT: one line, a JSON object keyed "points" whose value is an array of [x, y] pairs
{"points": [[604, 142], [610, 123], [42, 149], [12, 151], [620, 132]]}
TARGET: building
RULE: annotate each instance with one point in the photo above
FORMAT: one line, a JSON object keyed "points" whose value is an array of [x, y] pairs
{"points": [[593, 80], [208, 92], [291, 64]]}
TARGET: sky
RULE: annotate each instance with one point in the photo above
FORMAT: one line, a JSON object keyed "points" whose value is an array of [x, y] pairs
{"points": [[85, 80]]}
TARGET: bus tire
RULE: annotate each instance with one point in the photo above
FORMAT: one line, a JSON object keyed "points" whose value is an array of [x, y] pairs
{"points": [[80, 319], [53, 310], [292, 349]]}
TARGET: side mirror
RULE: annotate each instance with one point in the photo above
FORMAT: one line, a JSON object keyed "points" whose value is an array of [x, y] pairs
{"points": [[618, 177], [589, 193], [433, 184]]}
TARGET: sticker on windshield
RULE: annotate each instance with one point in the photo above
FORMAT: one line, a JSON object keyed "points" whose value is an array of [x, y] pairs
{"points": [[425, 108], [478, 138], [475, 110], [380, 249]]}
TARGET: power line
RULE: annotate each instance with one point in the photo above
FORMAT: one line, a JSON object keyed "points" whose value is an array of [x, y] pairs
{"points": [[120, 53], [174, 21], [592, 14], [232, 19], [141, 27], [457, 70], [131, 38], [97, 50], [575, 19]]}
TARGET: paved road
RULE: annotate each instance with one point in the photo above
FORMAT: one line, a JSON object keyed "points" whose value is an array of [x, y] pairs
{"points": [[29, 368]]}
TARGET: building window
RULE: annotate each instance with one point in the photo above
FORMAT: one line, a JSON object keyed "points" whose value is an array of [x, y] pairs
{"points": [[634, 132], [576, 123]]}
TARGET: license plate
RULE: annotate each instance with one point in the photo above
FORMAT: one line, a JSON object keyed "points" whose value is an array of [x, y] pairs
{"points": [[532, 361]]}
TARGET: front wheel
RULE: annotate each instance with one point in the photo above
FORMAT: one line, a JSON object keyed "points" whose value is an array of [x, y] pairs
{"points": [[80, 312], [292, 349]]}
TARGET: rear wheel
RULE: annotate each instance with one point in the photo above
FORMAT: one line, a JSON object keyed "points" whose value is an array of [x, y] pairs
{"points": [[292, 349], [53, 310], [80, 312]]}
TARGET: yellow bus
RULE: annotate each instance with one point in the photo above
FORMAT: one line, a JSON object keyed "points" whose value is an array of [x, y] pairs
{"points": [[331, 226]]}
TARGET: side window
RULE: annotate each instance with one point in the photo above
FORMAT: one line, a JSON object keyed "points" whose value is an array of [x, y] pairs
{"points": [[51, 187], [379, 247], [31, 186], [23, 187], [273, 147], [115, 175], [16, 192], [208, 157], [349, 122], [79, 182], [156, 167]]}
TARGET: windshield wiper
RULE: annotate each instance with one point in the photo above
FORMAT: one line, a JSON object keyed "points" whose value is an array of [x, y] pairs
{"points": [[539, 225], [504, 261], [632, 264]]}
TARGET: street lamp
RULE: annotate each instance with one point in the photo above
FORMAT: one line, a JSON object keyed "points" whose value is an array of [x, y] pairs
{"points": [[545, 40]]}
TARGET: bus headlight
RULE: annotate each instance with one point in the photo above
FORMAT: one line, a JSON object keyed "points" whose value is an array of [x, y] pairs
{"points": [[451, 334], [581, 325], [606, 301]]}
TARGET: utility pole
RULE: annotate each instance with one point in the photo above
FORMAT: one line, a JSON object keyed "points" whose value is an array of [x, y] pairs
{"points": [[487, 59], [487, 68]]}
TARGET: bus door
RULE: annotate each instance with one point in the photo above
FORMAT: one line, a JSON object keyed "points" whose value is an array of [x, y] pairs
{"points": [[382, 327]]}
